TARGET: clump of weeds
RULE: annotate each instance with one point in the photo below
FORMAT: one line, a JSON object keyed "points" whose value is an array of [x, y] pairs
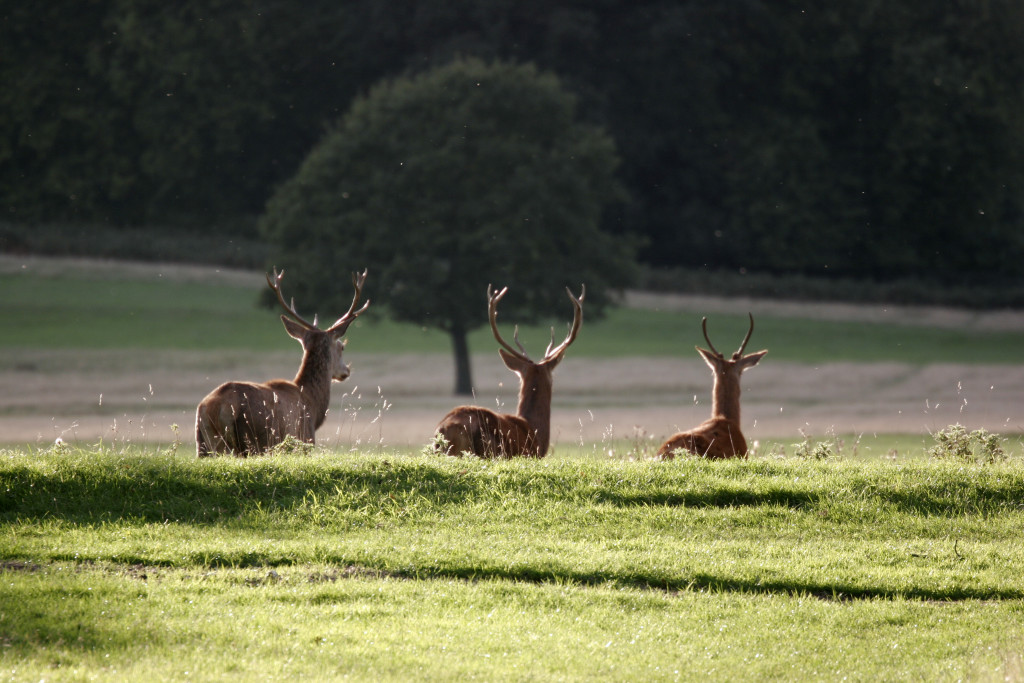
{"points": [[956, 443]]}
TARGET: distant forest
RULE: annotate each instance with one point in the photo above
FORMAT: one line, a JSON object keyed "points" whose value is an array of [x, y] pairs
{"points": [[870, 139]]}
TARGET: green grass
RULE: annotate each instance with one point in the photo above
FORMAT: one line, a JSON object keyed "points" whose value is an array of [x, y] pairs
{"points": [[78, 311], [851, 447], [391, 566]]}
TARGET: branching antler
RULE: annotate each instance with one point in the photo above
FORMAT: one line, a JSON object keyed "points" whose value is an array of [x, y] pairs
{"points": [[492, 313], [577, 321], [275, 284], [339, 327]]}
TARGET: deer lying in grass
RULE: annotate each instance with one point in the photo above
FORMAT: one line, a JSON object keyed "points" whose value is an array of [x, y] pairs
{"points": [[246, 418], [720, 436], [482, 432]]}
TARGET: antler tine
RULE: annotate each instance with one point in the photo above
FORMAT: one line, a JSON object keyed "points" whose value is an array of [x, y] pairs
{"points": [[275, 284], [339, 327], [547, 352], [492, 314], [515, 338], [577, 321], [747, 338]]}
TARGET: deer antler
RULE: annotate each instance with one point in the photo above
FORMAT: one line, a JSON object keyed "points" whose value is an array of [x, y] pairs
{"points": [[492, 313], [577, 320], [739, 353], [704, 326], [275, 284], [339, 327], [342, 323]]}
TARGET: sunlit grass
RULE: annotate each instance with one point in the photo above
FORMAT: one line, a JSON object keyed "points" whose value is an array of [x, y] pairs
{"points": [[124, 563], [319, 623]]}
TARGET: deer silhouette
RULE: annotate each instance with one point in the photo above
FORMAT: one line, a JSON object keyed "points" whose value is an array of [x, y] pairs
{"points": [[487, 434], [719, 436], [246, 418]]}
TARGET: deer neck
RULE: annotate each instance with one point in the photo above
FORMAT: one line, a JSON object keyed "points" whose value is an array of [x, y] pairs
{"points": [[725, 396], [314, 382], [535, 404]]}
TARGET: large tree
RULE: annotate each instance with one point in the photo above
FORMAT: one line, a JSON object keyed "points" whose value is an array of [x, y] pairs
{"points": [[444, 182]]}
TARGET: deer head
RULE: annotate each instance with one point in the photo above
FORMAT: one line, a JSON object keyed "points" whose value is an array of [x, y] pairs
{"points": [[726, 390], [327, 345], [534, 377]]}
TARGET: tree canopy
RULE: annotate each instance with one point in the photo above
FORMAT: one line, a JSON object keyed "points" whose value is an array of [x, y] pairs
{"points": [[867, 139], [442, 183]]}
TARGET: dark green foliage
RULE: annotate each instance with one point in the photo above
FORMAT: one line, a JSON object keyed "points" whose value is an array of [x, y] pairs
{"points": [[59, 154], [134, 243], [441, 184], [865, 140]]}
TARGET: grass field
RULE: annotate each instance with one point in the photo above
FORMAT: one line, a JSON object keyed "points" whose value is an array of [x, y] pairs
{"points": [[102, 310], [119, 565], [123, 560]]}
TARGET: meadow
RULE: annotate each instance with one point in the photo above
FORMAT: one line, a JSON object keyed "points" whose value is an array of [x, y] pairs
{"points": [[102, 306], [121, 565], [856, 556]]}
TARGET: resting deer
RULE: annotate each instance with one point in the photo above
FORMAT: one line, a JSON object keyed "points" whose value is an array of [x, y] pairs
{"points": [[720, 436], [246, 418], [482, 432]]}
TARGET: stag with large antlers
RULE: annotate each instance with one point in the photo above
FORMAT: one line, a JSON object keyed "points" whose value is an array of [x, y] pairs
{"points": [[482, 432], [246, 418], [720, 436]]}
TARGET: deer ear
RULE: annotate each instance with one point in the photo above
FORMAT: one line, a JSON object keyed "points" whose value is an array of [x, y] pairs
{"points": [[513, 362], [294, 329], [710, 357], [750, 360]]}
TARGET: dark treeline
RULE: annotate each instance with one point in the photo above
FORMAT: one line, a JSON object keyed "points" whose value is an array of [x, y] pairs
{"points": [[869, 139]]}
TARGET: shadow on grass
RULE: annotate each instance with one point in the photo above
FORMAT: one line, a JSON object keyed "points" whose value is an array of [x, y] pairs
{"points": [[699, 582], [147, 490]]}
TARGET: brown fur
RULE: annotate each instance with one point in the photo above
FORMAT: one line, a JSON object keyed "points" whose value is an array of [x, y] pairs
{"points": [[487, 434], [483, 432], [720, 436], [714, 439], [246, 418]]}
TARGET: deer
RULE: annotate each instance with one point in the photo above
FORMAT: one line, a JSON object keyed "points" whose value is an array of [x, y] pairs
{"points": [[487, 434], [248, 418], [719, 436]]}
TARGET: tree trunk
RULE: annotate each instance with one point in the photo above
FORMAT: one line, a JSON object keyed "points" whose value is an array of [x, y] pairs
{"points": [[463, 374]]}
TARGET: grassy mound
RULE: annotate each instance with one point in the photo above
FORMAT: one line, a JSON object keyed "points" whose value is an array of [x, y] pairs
{"points": [[398, 566]]}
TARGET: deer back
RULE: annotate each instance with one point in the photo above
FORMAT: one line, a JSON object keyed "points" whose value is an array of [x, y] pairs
{"points": [[247, 418], [714, 439], [487, 434]]}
